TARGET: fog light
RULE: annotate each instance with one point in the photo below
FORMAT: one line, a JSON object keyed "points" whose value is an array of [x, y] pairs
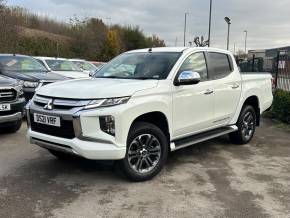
{"points": [[107, 124]]}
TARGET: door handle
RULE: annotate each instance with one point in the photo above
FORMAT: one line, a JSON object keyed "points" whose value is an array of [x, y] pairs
{"points": [[235, 86], [208, 92]]}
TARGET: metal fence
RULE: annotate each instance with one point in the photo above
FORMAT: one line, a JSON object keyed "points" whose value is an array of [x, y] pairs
{"points": [[282, 77], [278, 66]]}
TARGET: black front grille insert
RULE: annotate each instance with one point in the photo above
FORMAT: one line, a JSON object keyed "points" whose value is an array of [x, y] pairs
{"points": [[65, 131], [7, 95]]}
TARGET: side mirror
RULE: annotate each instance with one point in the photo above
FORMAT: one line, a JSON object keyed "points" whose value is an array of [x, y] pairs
{"points": [[187, 78], [92, 73]]}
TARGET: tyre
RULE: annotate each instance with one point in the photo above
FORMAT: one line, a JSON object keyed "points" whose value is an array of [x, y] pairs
{"points": [[246, 126], [61, 155], [147, 151], [16, 126]]}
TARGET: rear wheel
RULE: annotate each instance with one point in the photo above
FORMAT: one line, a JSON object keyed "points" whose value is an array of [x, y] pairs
{"points": [[147, 151], [246, 126]]}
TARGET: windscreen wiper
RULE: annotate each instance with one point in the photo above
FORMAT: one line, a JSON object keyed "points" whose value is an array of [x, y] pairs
{"points": [[144, 78], [111, 77]]}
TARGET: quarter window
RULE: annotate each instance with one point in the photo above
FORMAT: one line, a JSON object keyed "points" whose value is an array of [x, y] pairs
{"points": [[196, 63], [219, 65]]}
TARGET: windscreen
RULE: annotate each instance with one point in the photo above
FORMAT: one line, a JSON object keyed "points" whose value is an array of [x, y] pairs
{"points": [[20, 63], [62, 65], [156, 65], [85, 65]]}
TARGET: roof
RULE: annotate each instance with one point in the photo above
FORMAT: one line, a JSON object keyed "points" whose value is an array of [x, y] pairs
{"points": [[14, 55], [76, 59], [50, 58], [180, 49]]}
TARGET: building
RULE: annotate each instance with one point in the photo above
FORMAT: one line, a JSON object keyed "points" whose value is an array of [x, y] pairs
{"points": [[268, 53]]}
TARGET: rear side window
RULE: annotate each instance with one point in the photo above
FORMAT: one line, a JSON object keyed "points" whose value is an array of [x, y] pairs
{"points": [[220, 65]]}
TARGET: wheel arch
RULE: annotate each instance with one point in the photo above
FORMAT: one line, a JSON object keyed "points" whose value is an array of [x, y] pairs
{"points": [[156, 118], [254, 102]]}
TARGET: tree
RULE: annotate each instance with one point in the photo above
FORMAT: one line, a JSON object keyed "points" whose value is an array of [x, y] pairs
{"points": [[8, 30], [111, 46], [154, 41], [28, 33], [133, 38], [90, 36]]}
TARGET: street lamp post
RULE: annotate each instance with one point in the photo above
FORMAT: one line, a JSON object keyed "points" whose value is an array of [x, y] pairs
{"points": [[209, 23], [246, 37], [228, 20], [185, 24]]}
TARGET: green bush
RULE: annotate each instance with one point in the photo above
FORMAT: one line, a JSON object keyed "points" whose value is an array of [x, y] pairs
{"points": [[281, 106]]}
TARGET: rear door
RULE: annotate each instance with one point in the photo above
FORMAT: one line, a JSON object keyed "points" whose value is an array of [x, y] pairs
{"points": [[226, 86]]}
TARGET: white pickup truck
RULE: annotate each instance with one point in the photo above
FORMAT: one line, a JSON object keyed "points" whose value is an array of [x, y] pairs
{"points": [[147, 103]]}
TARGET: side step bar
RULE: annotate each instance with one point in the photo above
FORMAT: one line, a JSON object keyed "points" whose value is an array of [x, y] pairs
{"points": [[191, 140]]}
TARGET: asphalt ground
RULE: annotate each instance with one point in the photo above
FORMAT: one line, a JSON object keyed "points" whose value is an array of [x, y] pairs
{"points": [[211, 179]]}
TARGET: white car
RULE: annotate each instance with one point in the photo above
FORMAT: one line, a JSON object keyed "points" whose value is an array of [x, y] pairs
{"points": [[147, 103], [62, 67], [86, 66]]}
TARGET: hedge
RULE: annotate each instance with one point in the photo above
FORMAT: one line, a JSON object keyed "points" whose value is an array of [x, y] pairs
{"points": [[281, 106]]}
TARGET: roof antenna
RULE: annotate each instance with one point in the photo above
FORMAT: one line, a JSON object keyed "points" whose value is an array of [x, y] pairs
{"points": [[150, 50]]}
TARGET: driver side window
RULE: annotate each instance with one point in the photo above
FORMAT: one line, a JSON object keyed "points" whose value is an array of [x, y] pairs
{"points": [[196, 63]]}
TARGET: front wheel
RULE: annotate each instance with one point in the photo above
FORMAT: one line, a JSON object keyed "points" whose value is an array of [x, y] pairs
{"points": [[246, 126], [147, 151], [12, 127]]}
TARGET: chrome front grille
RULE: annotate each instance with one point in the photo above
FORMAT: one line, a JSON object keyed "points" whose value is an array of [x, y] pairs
{"points": [[59, 103], [7, 94]]}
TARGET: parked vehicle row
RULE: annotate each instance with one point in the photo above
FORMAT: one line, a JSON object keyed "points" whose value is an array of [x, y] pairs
{"points": [[31, 73], [88, 67], [28, 72], [147, 103], [63, 67]]}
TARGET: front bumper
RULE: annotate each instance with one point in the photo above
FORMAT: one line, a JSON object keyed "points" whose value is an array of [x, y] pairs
{"points": [[79, 133], [11, 118], [96, 150], [15, 114]]}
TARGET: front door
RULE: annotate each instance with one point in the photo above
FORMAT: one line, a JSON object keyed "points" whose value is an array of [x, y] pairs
{"points": [[193, 105]]}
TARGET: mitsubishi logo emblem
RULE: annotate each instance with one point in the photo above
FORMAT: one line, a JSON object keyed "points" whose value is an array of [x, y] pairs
{"points": [[49, 105]]}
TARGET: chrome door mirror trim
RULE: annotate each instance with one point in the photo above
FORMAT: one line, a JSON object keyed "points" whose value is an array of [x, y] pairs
{"points": [[187, 78]]}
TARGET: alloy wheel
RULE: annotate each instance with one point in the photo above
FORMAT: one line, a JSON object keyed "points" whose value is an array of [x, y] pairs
{"points": [[248, 125], [144, 153]]}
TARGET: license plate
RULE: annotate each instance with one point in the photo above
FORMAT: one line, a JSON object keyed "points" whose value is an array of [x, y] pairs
{"points": [[46, 120], [5, 107]]}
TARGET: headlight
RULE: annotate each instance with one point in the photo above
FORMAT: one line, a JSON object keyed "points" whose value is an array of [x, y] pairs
{"points": [[29, 84], [107, 102], [20, 89]]}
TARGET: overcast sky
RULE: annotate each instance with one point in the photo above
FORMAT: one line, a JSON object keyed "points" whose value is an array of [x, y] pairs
{"points": [[267, 21]]}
